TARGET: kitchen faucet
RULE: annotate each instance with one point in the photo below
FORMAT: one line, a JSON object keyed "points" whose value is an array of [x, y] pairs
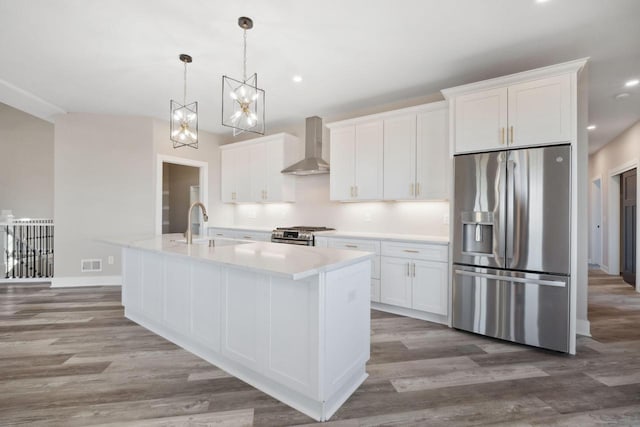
{"points": [[189, 233]]}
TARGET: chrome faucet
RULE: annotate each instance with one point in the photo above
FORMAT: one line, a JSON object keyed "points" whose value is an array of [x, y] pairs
{"points": [[189, 233]]}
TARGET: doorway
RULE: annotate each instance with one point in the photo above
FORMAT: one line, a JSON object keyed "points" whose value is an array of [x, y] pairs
{"points": [[180, 182], [628, 223], [595, 237]]}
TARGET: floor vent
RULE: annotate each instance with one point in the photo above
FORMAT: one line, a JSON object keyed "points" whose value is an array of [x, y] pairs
{"points": [[90, 265]]}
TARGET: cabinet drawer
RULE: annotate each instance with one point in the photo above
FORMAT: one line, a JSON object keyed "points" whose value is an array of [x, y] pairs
{"points": [[222, 232], [360, 245], [423, 251], [253, 235]]}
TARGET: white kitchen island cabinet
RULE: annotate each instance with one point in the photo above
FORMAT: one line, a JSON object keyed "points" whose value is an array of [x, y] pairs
{"points": [[292, 321]]}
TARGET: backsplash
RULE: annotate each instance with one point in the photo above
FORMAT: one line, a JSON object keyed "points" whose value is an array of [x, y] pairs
{"points": [[313, 207]]}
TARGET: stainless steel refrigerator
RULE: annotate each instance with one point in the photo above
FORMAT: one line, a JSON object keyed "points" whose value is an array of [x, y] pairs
{"points": [[511, 248]]}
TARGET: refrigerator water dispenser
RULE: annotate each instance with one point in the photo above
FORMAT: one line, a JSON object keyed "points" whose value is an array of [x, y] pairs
{"points": [[477, 233]]}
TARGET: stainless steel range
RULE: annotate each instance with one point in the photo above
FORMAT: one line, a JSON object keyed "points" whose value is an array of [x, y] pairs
{"points": [[300, 235]]}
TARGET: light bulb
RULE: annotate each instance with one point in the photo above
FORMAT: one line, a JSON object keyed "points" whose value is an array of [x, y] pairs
{"points": [[233, 95]]}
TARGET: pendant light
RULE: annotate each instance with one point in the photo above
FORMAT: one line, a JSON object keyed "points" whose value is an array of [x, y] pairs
{"points": [[242, 100], [184, 117]]}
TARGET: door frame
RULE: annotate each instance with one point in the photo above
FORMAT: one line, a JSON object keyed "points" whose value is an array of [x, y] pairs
{"points": [[613, 231], [203, 178], [591, 223]]}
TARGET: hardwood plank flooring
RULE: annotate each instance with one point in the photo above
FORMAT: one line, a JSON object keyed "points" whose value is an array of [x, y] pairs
{"points": [[69, 357]]}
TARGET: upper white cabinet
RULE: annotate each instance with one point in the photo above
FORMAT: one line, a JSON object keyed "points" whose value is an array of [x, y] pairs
{"points": [[522, 110], [356, 162], [250, 170], [397, 155], [416, 155]]}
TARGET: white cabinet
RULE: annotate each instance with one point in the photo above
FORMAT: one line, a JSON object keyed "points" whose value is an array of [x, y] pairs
{"points": [[540, 112], [250, 170], [416, 155], [235, 181], [356, 162], [400, 157], [359, 245], [415, 276], [253, 235], [533, 112]]}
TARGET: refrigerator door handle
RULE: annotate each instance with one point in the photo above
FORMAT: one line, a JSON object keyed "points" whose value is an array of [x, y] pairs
{"points": [[522, 280], [510, 214]]}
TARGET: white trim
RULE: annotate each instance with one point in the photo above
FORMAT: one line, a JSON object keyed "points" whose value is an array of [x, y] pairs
{"points": [[613, 214], [203, 177], [28, 102], [553, 70], [604, 268], [583, 327], [257, 140], [593, 181], [408, 312], [432, 106], [79, 281], [33, 280]]}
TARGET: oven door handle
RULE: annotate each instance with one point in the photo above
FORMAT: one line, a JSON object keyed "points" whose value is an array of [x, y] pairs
{"points": [[291, 242]]}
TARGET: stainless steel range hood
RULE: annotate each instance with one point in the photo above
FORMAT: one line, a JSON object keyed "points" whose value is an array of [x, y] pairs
{"points": [[312, 164]]}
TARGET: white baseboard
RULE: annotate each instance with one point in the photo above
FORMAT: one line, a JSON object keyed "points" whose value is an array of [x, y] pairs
{"points": [[583, 327], [604, 268], [72, 282], [33, 280]]}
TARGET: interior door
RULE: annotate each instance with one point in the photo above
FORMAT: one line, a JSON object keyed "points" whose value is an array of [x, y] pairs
{"points": [[628, 232]]}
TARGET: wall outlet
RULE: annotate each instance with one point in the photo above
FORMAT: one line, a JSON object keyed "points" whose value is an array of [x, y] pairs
{"points": [[110, 260], [445, 219]]}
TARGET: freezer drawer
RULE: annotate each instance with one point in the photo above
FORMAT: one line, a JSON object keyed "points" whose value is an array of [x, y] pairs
{"points": [[525, 308]]}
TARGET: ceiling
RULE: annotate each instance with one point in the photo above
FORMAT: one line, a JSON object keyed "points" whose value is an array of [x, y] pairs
{"points": [[121, 56]]}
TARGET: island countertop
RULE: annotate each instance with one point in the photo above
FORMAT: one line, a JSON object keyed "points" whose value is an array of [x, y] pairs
{"points": [[289, 261]]}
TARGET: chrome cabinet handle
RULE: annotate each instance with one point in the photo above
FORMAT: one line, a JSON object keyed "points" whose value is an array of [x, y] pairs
{"points": [[417, 189], [246, 237], [512, 134], [502, 136], [411, 251], [351, 246], [408, 269], [413, 270]]}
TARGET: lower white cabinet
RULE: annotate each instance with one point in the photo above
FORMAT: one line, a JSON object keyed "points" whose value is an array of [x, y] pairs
{"points": [[359, 245], [416, 277], [227, 233]]}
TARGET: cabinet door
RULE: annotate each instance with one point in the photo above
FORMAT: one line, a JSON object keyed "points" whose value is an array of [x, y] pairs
{"points": [[257, 172], [400, 158], [368, 161], [274, 179], [432, 156], [242, 174], [227, 176], [540, 112], [395, 281], [430, 284], [341, 177], [481, 121]]}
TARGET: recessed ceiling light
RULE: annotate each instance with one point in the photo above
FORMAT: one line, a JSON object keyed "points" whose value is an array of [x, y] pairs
{"points": [[623, 95], [591, 127], [297, 78], [632, 83]]}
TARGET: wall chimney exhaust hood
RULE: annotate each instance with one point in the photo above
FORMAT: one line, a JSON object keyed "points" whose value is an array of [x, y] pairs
{"points": [[312, 164]]}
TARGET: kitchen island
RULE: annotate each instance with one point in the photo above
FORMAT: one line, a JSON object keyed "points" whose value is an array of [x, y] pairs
{"points": [[291, 321]]}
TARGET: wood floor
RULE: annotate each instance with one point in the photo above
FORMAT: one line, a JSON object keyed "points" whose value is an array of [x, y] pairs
{"points": [[68, 357]]}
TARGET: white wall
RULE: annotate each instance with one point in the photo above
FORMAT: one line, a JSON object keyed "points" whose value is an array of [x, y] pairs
{"points": [[313, 207], [103, 187], [623, 149], [26, 164]]}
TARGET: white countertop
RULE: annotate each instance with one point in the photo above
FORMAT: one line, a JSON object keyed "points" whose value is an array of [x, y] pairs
{"points": [[417, 238], [289, 261], [243, 228]]}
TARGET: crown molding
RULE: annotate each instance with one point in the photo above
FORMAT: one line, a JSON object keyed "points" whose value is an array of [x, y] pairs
{"points": [[26, 101]]}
